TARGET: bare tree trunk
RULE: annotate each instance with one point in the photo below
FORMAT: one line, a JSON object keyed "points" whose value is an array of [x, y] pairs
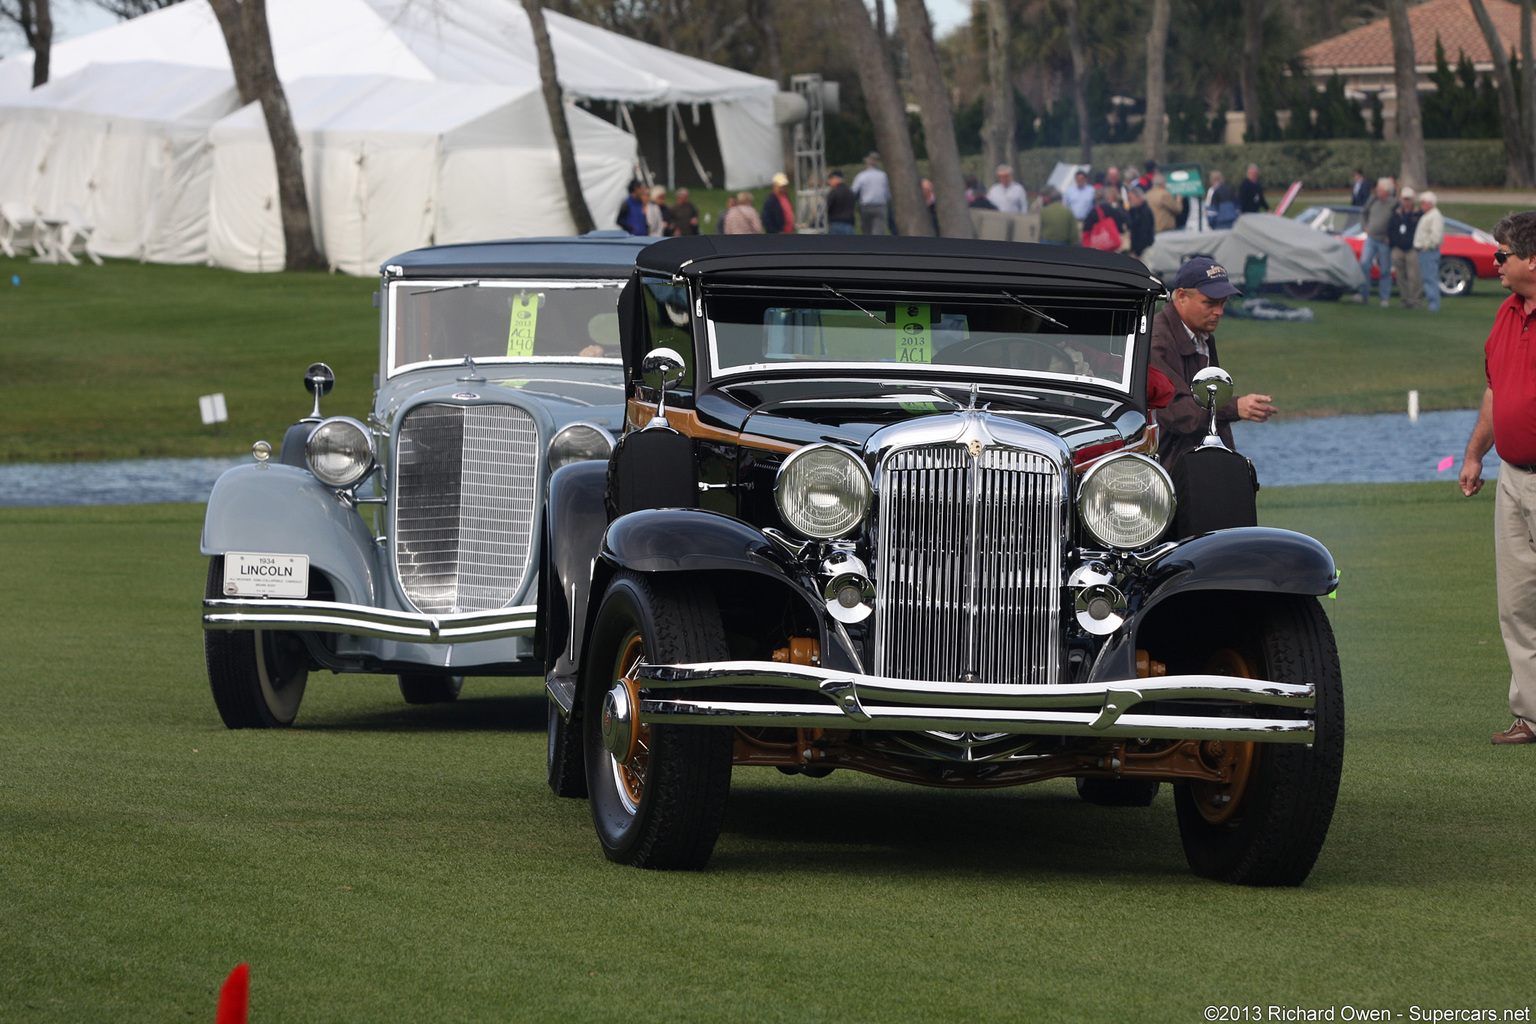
{"points": [[554, 102], [1516, 149], [999, 133], [761, 13], [888, 115], [1253, 45], [938, 121], [1155, 134], [250, 54], [1410, 125], [35, 19], [1079, 79], [1528, 87]]}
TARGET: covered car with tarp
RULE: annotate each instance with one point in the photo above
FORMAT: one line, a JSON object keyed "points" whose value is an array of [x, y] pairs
{"points": [[1307, 263]]}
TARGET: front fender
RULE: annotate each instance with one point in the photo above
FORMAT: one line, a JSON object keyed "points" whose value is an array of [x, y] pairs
{"points": [[284, 510], [711, 542], [1249, 559], [574, 523]]}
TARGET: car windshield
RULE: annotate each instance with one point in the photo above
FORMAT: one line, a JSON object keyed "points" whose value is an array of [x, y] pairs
{"points": [[1004, 333], [444, 321]]}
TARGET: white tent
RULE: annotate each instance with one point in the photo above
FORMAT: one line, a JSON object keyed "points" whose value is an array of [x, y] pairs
{"points": [[479, 41], [123, 144], [392, 164]]}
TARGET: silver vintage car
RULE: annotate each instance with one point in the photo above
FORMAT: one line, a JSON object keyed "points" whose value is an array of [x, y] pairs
{"points": [[410, 544]]}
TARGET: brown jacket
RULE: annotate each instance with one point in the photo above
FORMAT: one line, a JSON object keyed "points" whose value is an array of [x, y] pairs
{"points": [[1165, 209], [1182, 425]]}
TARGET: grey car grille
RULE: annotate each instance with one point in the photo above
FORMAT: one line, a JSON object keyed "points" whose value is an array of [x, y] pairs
{"points": [[464, 505], [968, 565]]}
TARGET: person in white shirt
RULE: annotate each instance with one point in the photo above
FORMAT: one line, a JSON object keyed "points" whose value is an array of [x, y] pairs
{"points": [[1079, 196], [1006, 194], [1426, 240], [874, 191]]}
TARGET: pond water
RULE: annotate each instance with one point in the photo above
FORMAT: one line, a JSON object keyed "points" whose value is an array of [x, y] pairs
{"points": [[1341, 449]]}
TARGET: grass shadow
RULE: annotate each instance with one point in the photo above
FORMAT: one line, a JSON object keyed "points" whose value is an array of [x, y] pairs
{"points": [[516, 713], [921, 831]]}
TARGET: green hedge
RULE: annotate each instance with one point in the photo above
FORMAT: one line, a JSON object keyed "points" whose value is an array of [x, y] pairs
{"points": [[1453, 163]]}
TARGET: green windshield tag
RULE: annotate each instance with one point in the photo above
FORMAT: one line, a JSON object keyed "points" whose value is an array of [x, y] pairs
{"points": [[913, 333], [525, 319]]}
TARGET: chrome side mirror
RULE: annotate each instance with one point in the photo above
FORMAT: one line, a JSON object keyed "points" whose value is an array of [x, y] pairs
{"points": [[1212, 388], [660, 368], [318, 379]]}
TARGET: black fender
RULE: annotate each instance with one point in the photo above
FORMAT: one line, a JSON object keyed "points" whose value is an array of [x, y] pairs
{"points": [[1250, 559], [574, 521], [698, 541]]}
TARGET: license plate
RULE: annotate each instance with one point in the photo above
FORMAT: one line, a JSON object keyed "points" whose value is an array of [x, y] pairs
{"points": [[247, 574]]}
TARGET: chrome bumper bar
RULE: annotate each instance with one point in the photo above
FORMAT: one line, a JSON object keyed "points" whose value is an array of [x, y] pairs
{"points": [[811, 697], [362, 620]]}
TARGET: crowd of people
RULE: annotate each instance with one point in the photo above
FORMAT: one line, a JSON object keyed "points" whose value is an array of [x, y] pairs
{"points": [[1403, 233]]}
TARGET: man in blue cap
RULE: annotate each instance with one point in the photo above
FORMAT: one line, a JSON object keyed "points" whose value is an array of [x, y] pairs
{"points": [[1183, 344]]}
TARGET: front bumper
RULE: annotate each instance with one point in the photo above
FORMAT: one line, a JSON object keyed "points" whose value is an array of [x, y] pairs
{"points": [[362, 620], [806, 696]]}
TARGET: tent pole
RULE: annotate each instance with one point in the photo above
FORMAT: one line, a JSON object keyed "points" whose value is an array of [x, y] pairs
{"points": [[671, 161]]}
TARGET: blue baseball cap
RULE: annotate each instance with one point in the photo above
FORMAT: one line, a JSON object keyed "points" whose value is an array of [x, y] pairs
{"points": [[1208, 276]]}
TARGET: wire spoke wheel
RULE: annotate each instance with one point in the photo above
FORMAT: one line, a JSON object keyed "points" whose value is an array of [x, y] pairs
{"points": [[1219, 801]]}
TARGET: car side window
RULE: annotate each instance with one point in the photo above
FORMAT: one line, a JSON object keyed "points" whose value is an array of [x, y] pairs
{"points": [[669, 324]]}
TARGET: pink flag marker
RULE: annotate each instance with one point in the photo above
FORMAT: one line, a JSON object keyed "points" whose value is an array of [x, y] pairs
{"points": [[1446, 463]]}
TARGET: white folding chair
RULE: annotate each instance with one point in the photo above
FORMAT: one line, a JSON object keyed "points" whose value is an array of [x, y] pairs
{"points": [[76, 227], [16, 216]]}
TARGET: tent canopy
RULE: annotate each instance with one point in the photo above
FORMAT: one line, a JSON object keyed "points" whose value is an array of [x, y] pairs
{"points": [[478, 41]]}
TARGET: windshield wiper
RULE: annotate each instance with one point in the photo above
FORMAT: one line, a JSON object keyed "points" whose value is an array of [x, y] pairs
{"points": [[448, 288], [1037, 312], [855, 305]]}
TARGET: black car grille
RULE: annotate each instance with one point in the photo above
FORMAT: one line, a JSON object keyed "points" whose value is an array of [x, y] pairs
{"points": [[968, 565], [465, 489]]}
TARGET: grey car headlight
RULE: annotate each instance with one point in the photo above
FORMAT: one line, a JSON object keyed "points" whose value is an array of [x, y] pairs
{"points": [[579, 442], [339, 451], [1125, 501], [823, 491]]}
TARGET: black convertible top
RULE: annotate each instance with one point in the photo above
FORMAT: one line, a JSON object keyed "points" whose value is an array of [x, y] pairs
{"points": [[608, 254], [897, 260]]}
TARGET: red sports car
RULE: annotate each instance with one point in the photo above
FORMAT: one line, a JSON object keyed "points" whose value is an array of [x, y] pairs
{"points": [[1465, 255]]}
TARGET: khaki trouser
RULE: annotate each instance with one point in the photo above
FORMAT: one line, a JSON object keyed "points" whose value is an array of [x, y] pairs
{"points": [[1514, 549], [1410, 283]]}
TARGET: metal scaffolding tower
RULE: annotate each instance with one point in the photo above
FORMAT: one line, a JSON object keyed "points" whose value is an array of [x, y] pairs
{"points": [[810, 145]]}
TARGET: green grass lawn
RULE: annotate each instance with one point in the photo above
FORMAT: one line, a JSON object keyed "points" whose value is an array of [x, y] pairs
{"points": [[380, 862]]}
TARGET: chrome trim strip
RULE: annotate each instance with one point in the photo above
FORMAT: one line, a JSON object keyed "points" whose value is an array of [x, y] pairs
{"points": [[846, 699], [362, 620]]}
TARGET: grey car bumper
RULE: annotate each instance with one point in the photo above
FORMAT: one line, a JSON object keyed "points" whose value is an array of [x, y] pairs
{"points": [[361, 620], [776, 694]]}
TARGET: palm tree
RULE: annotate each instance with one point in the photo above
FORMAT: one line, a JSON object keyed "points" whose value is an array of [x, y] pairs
{"points": [[998, 131], [1517, 145], [938, 120], [1410, 124], [554, 102], [1156, 134]]}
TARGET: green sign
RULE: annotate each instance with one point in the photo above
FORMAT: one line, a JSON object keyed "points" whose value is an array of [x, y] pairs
{"points": [[913, 333], [525, 319], [1185, 180]]}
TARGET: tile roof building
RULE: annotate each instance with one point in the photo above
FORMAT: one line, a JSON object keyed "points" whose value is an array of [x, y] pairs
{"points": [[1363, 56]]}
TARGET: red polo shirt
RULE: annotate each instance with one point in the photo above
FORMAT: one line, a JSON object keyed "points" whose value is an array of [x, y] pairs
{"points": [[1509, 360]]}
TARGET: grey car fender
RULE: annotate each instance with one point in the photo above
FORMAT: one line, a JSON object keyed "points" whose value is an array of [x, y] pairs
{"points": [[284, 510]]}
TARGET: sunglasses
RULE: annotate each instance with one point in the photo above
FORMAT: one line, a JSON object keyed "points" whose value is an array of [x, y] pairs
{"points": [[1501, 255]]}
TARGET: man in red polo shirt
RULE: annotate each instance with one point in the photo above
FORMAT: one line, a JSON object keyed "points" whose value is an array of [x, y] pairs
{"points": [[1508, 420]]}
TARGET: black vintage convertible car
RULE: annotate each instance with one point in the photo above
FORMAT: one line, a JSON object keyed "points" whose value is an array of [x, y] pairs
{"points": [[892, 505]]}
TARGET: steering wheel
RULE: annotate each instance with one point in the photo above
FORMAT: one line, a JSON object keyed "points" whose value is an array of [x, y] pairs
{"points": [[1009, 352]]}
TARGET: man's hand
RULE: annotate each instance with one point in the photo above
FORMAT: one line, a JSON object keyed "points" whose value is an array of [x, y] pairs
{"points": [[1471, 478], [1255, 407]]}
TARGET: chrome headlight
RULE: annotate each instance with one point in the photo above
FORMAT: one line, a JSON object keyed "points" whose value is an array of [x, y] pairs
{"points": [[1125, 501], [339, 451], [579, 442], [823, 491]]}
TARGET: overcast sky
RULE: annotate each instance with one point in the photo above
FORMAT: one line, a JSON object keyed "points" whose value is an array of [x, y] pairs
{"points": [[77, 17]]}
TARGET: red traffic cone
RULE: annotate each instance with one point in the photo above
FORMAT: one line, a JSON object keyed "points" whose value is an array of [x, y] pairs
{"points": [[235, 996]]}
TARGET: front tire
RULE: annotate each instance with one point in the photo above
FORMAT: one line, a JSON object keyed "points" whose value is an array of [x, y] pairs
{"points": [[662, 805], [257, 676], [1266, 826], [430, 687], [564, 765]]}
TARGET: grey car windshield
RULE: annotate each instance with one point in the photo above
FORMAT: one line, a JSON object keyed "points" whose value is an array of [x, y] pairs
{"points": [[1001, 332], [441, 321]]}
